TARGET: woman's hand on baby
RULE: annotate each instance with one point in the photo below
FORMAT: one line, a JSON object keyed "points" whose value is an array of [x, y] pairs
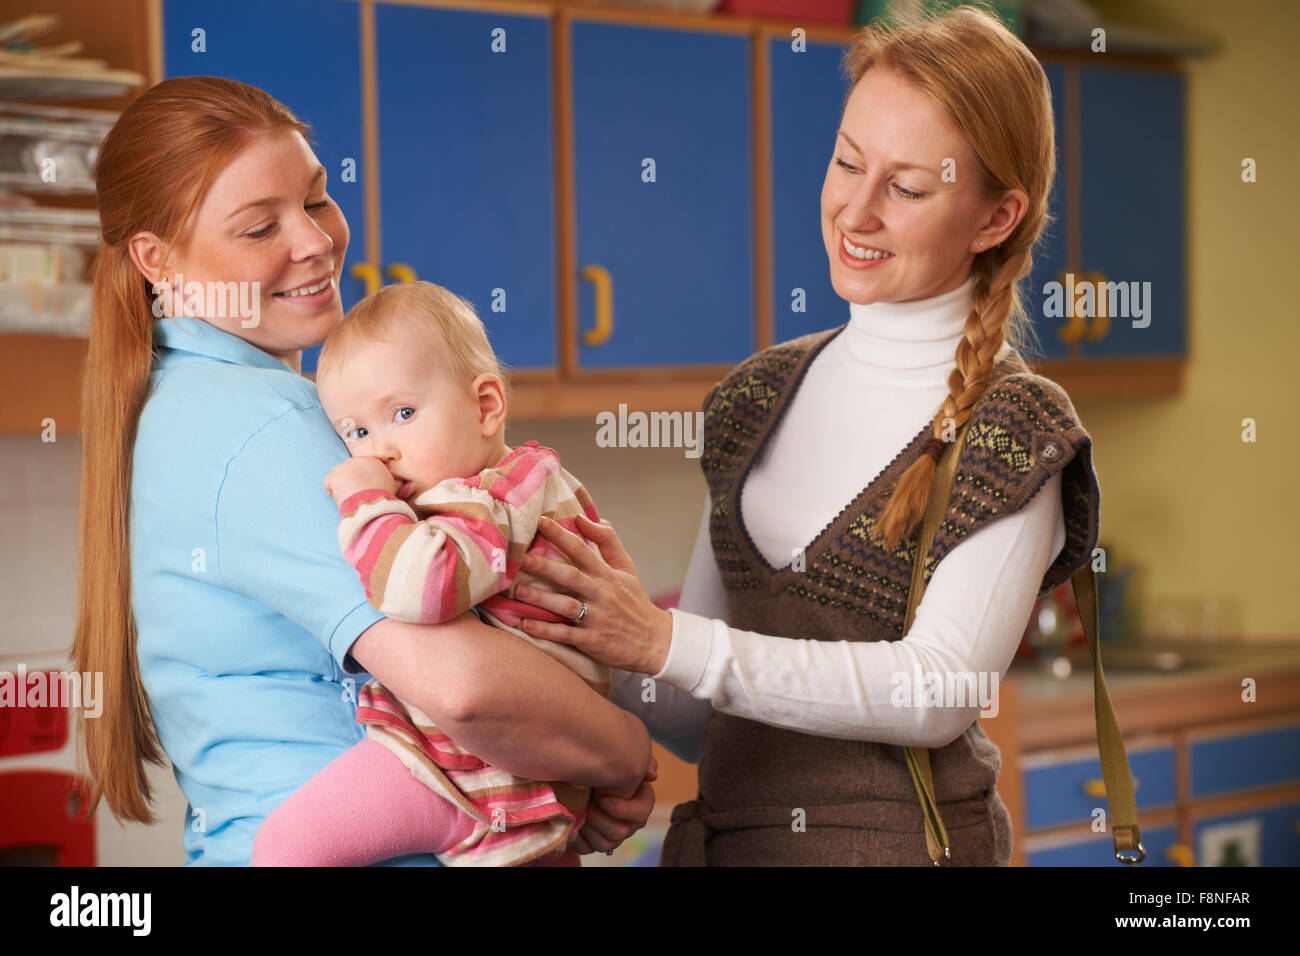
{"points": [[612, 818], [358, 474], [622, 628]]}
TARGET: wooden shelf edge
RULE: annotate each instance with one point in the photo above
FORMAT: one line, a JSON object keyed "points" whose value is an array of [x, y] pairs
{"points": [[42, 376], [42, 379], [1096, 378], [1200, 699], [536, 402]]}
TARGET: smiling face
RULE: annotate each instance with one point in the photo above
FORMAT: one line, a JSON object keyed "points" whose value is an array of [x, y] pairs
{"points": [[885, 192], [265, 219], [397, 402]]}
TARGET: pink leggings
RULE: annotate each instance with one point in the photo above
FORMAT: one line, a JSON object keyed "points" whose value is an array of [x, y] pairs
{"points": [[363, 807]]}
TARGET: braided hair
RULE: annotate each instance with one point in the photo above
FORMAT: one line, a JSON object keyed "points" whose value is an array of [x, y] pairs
{"points": [[995, 93]]}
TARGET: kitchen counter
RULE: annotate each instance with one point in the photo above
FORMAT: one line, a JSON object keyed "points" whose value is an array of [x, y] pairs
{"points": [[1153, 686]]}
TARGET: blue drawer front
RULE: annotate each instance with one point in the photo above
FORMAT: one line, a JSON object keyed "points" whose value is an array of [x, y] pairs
{"points": [[1099, 850], [1055, 795], [1261, 759]]}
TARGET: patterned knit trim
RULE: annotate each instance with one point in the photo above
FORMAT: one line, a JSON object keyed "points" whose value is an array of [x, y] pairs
{"points": [[738, 414], [1022, 430]]}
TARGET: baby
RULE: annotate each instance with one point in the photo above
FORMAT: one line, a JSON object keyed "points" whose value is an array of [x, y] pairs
{"points": [[437, 513]]}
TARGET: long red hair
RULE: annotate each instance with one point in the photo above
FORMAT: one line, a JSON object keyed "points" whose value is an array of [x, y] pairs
{"points": [[154, 168]]}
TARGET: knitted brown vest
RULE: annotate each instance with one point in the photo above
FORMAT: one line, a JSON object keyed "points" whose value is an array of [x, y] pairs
{"points": [[771, 796]]}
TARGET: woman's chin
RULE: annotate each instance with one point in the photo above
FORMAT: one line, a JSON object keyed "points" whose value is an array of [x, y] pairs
{"points": [[859, 291], [307, 326]]}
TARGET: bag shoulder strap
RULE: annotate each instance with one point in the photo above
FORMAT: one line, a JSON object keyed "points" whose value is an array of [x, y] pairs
{"points": [[1115, 768], [918, 758]]}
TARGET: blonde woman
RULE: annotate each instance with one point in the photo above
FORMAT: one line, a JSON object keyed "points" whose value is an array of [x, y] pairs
{"points": [[786, 671], [231, 632]]}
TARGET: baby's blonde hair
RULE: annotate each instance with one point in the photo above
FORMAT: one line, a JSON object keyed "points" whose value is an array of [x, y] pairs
{"points": [[448, 322]]}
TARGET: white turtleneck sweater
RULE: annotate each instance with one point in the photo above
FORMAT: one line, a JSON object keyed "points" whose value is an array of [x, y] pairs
{"points": [[865, 396]]}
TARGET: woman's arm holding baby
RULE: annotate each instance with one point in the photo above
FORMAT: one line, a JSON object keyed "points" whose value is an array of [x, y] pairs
{"points": [[507, 702]]}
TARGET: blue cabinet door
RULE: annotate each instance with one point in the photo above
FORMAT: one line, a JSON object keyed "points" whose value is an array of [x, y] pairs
{"points": [[467, 182], [807, 93], [672, 105], [1132, 223], [1049, 254], [305, 53]]}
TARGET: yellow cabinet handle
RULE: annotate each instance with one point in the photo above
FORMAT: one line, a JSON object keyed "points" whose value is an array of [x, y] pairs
{"points": [[368, 274], [401, 272], [1181, 854], [1095, 787], [604, 283], [1077, 328], [1101, 321], [1076, 324]]}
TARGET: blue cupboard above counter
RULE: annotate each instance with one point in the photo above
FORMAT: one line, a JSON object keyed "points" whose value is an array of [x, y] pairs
{"points": [[631, 199], [661, 142], [466, 166]]}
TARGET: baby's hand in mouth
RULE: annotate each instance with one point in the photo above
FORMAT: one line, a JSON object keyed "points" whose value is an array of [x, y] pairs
{"points": [[359, 474]]}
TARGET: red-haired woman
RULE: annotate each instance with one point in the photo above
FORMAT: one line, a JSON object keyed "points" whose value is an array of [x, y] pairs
{"points": [[213, 596]]}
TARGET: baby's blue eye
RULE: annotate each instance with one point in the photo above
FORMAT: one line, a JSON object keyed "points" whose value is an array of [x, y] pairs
{"points": [[355, 433], [401, 413]]}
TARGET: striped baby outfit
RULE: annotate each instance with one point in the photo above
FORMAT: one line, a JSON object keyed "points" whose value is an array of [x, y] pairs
{"points": [[457, 545]]}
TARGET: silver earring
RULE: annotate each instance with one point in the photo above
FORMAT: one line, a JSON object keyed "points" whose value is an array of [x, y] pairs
{"points": [[981, 242]]}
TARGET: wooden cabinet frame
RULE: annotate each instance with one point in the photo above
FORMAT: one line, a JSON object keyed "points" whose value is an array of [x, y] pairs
{"points": [[43, 373]]}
